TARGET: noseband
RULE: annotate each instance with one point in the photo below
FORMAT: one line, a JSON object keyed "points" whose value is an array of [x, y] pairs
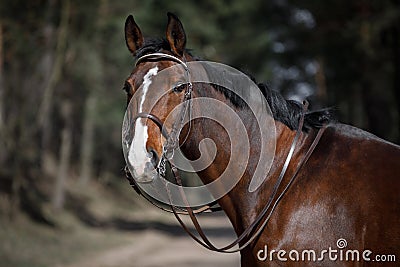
{"points": [[252, 232]]}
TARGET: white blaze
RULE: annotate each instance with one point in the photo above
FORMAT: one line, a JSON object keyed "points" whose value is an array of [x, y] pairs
{"points": [[138, 156]]}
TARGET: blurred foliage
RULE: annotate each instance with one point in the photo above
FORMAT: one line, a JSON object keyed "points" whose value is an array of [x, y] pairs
{"points": [[338, 53]]}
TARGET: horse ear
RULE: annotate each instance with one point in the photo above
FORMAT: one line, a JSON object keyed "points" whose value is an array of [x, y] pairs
{"points": [[133, 36], [176, 34]]}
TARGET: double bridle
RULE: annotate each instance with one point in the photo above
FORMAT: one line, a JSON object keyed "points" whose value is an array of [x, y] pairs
{"points": [[254, 230]]}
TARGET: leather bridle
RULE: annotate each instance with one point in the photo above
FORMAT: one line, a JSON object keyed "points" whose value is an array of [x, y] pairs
{"points": [[253, 231]]}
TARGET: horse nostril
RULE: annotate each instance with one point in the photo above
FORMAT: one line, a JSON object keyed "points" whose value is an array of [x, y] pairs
{"points": [[154, 157]]}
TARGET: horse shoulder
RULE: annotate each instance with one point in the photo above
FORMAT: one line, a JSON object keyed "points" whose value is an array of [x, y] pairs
{"points": [[348, 189]]}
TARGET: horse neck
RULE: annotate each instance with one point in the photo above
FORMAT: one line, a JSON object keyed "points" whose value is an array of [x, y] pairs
{"points": [[244, 206], [240, 205]]}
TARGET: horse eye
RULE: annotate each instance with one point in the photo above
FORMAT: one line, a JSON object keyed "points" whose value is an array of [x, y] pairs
{"points": [[179, 88], [127, 88]]}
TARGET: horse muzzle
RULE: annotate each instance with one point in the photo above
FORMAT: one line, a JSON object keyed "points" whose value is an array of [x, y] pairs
{"points": [[146, 171]]}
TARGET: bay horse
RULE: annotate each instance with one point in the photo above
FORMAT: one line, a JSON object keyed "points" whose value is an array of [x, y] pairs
{"points": [[332, 190]]}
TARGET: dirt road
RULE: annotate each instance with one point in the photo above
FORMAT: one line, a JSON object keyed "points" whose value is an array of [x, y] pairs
{"points": [[162, 248]]}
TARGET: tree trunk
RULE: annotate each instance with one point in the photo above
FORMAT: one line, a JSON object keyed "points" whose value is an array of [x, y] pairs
{"points": [[48, 162], [320, 80], [2, 92], [1, 78], [87, 140], [65, 155], [396, 76], [66, 112], [88, 136]]}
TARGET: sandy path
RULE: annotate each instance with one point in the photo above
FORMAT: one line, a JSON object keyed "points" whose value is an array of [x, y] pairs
{"points": [[151, 248]]}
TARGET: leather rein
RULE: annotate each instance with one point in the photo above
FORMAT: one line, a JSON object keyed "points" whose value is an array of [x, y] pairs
{"points": [[255, 229]]}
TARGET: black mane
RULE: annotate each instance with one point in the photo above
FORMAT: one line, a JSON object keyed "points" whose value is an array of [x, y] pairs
{"points": [[286, 111], [290, 111]]}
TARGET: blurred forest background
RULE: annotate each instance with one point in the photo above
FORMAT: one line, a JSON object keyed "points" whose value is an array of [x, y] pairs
{"points": [[63, 64]]}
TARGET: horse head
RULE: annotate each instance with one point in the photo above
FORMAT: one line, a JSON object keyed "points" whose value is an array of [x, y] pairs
{"points": [[154, 97]]}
